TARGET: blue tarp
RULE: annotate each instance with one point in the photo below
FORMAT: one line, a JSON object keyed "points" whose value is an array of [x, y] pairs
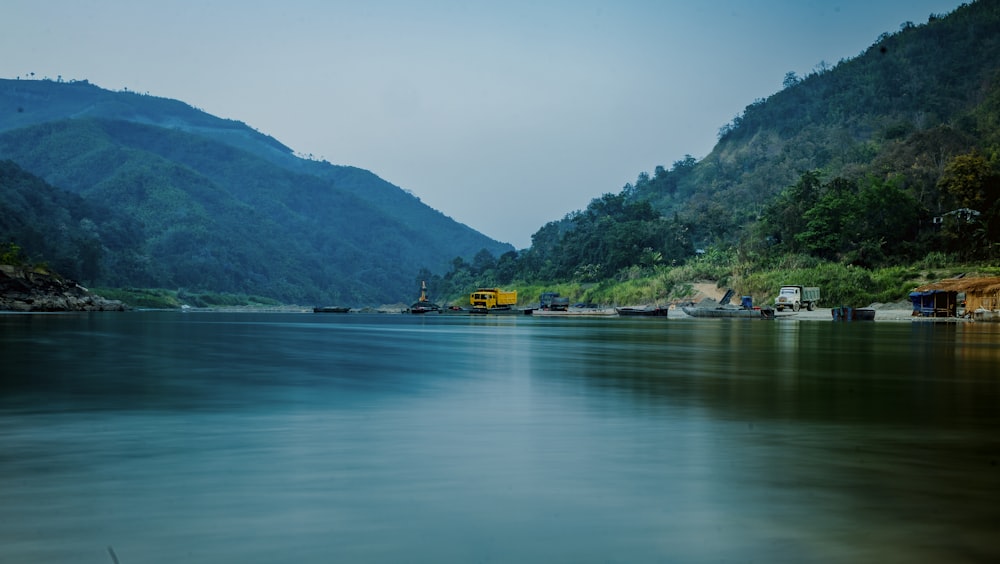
{"points": [[934, 303]]}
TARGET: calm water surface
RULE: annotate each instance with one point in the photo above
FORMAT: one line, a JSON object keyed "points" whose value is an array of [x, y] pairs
{"points": [[218, 437]]}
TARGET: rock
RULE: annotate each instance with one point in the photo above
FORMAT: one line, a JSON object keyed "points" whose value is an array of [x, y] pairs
{"points": [[25, 289]]}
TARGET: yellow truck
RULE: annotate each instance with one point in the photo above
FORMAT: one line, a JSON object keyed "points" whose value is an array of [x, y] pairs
{"points": [[486, 299]]}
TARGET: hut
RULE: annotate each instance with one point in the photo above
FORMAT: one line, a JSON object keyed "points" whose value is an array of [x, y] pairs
{"points": [[981, 297], [934, 303]]}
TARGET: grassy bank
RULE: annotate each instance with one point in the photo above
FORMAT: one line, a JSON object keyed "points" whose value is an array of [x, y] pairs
{"points": [[156, 298], [839, 284]]}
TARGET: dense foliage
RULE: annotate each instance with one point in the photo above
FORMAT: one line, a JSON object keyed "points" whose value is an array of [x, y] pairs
{"points": [[846, 178], [905, 107], [125, 203], [44, 224], [880, 161]]}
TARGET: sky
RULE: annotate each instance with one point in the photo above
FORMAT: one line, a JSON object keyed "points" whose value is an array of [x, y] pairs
{"points": [[502, 115]]}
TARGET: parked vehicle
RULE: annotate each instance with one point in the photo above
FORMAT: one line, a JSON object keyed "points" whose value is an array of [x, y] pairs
{"points": [[486, 299], [797, 297], [553, 301]]}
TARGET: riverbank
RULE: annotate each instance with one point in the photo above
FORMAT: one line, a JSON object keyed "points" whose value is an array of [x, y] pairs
{"points": [[24, 289]]}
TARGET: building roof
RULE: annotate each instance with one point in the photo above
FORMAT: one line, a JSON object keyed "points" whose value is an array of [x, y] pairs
{"points": [[980, 285]]}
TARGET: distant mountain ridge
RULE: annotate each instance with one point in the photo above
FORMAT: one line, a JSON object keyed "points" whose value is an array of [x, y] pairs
{"points": [[907, 104], [190, 200], [40, 101], [888, 158]]}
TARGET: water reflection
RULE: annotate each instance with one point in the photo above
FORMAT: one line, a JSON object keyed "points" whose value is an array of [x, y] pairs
{"points": [[261, 438]]}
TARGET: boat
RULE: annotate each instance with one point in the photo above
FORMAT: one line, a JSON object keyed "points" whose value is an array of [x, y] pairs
{"points": [[423, 305], [331, 309], [988, 315], [845, 313], [724, 309], [728, 312], [454, 310], [576, 312], [501, 310], [645, 311]]}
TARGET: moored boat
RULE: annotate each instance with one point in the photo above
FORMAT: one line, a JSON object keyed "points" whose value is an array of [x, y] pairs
{"points": [[423, 305], [331, 309], [728, 312], [845, 313], [576, 312], [645, 311], [500, 310], [983, 314]]}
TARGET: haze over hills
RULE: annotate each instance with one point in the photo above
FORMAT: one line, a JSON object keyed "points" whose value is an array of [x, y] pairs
{"points": [[884, 160], [890, 145], [904, 106], [865, 163], [188, 200]]}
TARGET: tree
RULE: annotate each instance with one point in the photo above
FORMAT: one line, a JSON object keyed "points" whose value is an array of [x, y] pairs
{"points": [[832, 222], [483, 261], [684, 165], [10, 254], [507, 268], [971, 182], [784, 218]]}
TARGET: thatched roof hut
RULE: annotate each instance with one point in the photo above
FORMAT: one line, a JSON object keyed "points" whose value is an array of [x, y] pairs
{"points": [[979, 292]]}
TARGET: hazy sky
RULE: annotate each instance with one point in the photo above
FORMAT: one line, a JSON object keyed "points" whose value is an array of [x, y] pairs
{"points": [[503, 115]]}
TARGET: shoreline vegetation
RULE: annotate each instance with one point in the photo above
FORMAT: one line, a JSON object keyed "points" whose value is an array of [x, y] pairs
{"points": [[866, 179], [27, 286], [885, 289]]}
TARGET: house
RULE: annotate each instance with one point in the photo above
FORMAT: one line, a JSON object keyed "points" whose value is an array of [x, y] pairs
{"points": [[934, 302], [979, 298]]}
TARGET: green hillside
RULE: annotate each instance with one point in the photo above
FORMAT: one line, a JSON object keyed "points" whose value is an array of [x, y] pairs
{"points": [[191, 201], [882, 161], [903, 109]]}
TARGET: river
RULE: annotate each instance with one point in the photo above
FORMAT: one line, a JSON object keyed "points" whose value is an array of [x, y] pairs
{"points": [[284, 437]]}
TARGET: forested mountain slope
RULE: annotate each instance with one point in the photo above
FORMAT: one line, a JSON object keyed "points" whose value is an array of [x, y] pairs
{"points": [[881, 160], [188, 200], [904, 107]]}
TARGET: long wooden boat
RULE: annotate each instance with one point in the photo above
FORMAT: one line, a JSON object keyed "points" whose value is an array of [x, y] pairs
{"points": [[500, 310], [576, 312], [844, 313], [642, 311], [331, 309], [425, 307], [729, 312]]}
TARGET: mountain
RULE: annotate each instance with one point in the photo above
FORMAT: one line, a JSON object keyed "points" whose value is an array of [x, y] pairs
{"points": [[904, 107], [886, 159], [166, 195]]}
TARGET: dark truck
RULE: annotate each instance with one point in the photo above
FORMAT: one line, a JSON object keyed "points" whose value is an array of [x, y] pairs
{"points": [[552, 301]]}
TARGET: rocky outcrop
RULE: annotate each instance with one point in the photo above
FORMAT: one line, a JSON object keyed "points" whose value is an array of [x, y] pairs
{"points": [[25, 289]]}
